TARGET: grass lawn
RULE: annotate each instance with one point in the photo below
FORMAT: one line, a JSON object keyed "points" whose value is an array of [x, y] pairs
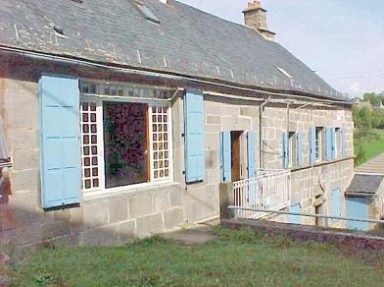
{"points": [[370, 141], [236, 258]]}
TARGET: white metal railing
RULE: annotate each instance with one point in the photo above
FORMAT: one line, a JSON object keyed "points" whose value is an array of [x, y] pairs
{"points": [[270, 190]]}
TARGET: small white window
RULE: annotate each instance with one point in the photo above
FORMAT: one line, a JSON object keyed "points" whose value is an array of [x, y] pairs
{"points": [[319, 137], [338, 143], [123, 143]]}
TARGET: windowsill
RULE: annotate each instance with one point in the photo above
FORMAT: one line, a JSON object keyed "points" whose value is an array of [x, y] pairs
{"points": [[125, 190], [320, 163]]}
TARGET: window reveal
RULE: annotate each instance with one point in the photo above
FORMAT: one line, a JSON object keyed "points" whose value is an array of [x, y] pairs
{"points": [[134, 139]]}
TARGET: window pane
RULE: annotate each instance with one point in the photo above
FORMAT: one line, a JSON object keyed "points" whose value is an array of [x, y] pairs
{"points": [[125, 144], [160, 138], [89, 151]]}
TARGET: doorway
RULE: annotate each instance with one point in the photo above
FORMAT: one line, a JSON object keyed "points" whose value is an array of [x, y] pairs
{"points": [[236, 155]]}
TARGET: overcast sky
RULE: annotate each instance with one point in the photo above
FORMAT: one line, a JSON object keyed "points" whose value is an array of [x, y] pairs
{"points": [[342, 40]]}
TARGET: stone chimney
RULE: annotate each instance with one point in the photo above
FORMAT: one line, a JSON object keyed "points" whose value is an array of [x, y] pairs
{"points": [[255, 17]]}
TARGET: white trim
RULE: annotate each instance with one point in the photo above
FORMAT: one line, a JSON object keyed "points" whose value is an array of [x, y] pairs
{"points": [[99, 99], [123, 99], [124, 190]]}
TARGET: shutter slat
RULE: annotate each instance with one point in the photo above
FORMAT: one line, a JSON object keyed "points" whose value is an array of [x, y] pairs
{"points": [[60, 145], [194, 136], [225, 155], [251, 154]]}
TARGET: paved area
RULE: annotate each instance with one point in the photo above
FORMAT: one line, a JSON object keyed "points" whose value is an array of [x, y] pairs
{"points": [[193, 233], [375, 165]]}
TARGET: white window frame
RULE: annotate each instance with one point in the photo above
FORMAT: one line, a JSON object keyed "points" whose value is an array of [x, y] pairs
{"points": [[319, 138], [99, 100], [338, 143], [100, 143]]}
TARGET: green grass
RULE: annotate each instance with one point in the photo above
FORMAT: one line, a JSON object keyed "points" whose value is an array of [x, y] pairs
{"points": [[369, 143], [236, 258]]}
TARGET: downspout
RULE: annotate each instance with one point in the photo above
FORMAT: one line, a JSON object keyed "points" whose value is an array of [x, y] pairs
{"points": [[261, 146]]}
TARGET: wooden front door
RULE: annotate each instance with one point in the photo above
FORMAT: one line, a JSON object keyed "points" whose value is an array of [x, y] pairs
{"points": [[235, 155]]}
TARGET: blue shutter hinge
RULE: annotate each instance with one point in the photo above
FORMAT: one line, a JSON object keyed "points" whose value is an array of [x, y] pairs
{"points": [[183, 135], [183, 172]]}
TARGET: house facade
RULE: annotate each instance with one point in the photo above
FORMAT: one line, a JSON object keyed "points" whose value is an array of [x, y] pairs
{"points": [[122, 127]]}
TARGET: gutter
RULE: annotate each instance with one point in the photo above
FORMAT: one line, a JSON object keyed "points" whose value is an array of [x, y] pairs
{"points": [[89, 63]]}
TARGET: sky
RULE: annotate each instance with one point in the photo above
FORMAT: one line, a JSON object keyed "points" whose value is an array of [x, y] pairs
{"points": [[341, 40]]}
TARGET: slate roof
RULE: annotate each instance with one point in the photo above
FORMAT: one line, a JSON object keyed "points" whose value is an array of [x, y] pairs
{"points": [[364, 184], [187, 42]]}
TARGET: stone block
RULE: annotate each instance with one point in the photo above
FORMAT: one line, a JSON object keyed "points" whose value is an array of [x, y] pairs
{"points": [[55, 229], [211, 158], [149, 225], [22, 100], [215, 120], [212, 128], [118, 210], [28, 201], [68, 240], [23, 180], [140, 204], [26, 159], [96, 214], [22, 138], [175, 196], [252, 112], [161, 200], [235, 123], [212, 140], [105, 236], [173, 217], [127, 231]]}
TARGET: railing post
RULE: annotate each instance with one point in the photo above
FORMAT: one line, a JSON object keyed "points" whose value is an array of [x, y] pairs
{"points": [[226, 199]]}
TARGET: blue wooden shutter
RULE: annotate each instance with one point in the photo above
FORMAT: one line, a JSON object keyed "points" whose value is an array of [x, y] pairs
{"points": [[335, 202], [284, 141], [194, 136], [312, 145], [328, 143], [343, 139], [60, 144], [294, 219], [299, 156], [357, 207], [225, 156], [251, 154]]}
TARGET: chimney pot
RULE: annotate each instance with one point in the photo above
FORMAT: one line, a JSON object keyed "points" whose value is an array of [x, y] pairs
{"points": [[254, 4], [255, 18]]}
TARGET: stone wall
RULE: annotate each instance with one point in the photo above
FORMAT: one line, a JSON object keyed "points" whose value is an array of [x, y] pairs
{"points": [[114, 217], [107, 218]]}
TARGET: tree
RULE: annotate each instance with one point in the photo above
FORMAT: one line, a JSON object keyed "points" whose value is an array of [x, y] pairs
{"points": [[374, 99], [364, 118]]}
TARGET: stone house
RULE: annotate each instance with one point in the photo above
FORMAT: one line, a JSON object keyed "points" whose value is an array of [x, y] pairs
{"points": [[123, 117], [364, 199]]}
